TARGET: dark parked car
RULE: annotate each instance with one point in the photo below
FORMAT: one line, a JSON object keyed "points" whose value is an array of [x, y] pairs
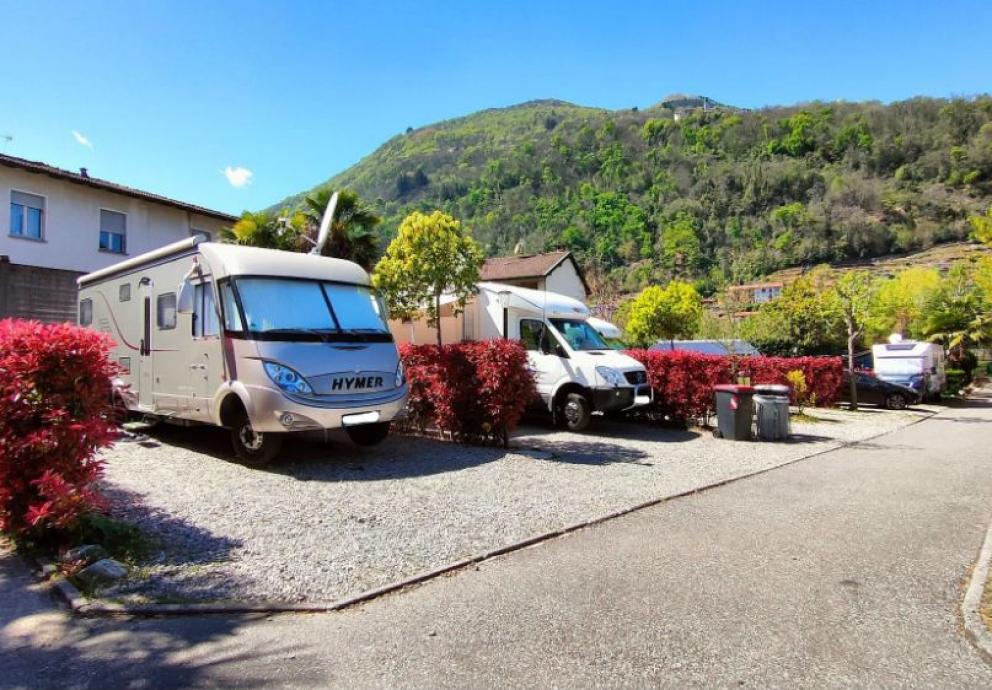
{"points": [[875, 391]]}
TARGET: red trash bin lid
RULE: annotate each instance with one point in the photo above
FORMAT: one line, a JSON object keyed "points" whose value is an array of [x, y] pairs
{"points": [[733, 388]]}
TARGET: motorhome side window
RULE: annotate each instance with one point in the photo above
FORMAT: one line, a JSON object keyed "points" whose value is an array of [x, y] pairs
{"points": [[166, 311], [86, 312], [232, 317], [204, 311]]}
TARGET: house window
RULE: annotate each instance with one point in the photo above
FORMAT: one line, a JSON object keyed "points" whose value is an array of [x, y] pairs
{"points": [[27, 215], [204, 235], [113, 232], [124, 292], [165, 315], [204, 311], [85, 312]]}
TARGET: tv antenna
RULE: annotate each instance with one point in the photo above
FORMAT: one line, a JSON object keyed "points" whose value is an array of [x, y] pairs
{"points": [[6, 138]]}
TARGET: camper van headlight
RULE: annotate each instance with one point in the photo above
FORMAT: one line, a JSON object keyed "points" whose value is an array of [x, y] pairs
{"points": [[287, 379], [610, 375], [400, 374]]}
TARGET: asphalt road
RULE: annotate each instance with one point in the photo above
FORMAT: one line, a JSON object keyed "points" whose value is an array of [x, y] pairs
{"points": [[842, 570]]}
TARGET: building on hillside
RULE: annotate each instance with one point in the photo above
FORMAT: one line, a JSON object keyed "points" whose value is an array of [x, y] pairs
{"points": [[555, 272], [61, 224], [755, 293]]}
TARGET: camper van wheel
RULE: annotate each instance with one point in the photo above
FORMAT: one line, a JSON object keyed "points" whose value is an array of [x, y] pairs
{"points": [[574, 412], [253, 448], [368, 434]]}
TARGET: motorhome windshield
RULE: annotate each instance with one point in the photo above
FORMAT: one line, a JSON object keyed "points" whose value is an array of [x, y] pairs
{"points": [[290, 309], [579, 334]]}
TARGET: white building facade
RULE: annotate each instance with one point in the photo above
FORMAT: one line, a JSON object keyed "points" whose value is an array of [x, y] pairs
{"points": [[57, 225]]}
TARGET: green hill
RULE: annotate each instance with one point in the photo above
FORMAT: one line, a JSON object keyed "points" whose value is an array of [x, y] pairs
{"points": [[691, 187]]}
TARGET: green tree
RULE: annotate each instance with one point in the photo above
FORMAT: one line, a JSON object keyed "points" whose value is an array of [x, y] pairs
{"points": [[679, 245], [802, 321], [660, 313], [432, 255], [901, 302], [854, 294], [353, 229], [983, 227]]}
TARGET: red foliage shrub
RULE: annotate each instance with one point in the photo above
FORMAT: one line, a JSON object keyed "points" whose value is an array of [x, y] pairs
{"points": [[683, 381], [474, 391], [54, 404], [824, 375]]}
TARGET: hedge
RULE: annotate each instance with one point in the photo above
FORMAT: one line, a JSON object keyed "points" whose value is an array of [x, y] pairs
{"points": [[683, 381], [474, 392], [54, 417]]}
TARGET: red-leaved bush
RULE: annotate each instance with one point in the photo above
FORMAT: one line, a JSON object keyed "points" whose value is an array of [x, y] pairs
{"points": [[473, 391], [683, 381], [54, 409]]}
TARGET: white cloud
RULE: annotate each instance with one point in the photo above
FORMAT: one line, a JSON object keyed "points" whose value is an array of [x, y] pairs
{"points": [[238, 176], [82, 139]]}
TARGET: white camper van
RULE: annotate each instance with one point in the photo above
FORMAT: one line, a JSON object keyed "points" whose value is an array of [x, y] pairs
{"points": [[576, 371], [260, 341], [910, 363]]}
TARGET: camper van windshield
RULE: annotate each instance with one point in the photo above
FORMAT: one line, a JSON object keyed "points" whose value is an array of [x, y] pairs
{"points": [[579, 334], [309, 309]]}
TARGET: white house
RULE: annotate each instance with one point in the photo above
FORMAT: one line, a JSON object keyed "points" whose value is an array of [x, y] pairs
{"points": [[61, 224], [555, 271]]}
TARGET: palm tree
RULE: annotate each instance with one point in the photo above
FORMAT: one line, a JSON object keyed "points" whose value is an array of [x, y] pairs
{"points": [[263, 229], [353, 236]]}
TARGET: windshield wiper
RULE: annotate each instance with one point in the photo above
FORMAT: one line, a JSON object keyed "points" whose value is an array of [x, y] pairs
{"points": [[321, 333]]}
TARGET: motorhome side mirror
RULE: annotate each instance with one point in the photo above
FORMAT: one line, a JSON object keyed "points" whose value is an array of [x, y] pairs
{"points": [[184, 298]]}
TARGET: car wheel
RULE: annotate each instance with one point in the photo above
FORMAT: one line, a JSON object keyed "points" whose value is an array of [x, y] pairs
{"points": [[368, 434], [575, 412], [253, 448], [895, 401]]}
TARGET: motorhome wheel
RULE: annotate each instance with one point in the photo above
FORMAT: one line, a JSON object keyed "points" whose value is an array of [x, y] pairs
{"points": [[575, 412], [254, 448], [368, 434]]}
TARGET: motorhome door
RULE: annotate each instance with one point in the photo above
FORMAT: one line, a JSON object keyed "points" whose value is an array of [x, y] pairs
{"points": [[543, 352], [146, 374]]}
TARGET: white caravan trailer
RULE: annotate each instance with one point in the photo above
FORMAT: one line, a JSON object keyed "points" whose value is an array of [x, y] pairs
{"points": [[260, 341], [576, 371], [917, 365]]}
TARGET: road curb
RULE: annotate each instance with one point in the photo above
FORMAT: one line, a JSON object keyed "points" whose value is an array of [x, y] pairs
{"points": [[974, 625], [84, 606]]}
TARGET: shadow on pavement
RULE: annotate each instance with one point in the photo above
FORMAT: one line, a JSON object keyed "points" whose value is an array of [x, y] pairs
{"points": [[44, 646]]}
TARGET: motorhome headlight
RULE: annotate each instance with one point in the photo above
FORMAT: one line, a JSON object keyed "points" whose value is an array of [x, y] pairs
{"points": [[287, 379], [400, 374], [610, 375]]}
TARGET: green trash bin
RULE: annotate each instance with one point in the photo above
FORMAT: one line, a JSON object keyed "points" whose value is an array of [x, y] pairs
{"points": [[734, 411]]}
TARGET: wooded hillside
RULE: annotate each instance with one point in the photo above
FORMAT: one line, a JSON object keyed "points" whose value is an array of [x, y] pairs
{"points": [[715, 195]]}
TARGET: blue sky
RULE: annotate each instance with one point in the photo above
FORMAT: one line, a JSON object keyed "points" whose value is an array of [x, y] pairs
{"points": [[166, 96]]}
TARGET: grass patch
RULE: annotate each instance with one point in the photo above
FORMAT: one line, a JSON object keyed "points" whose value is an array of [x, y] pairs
{"points": [[986, 606], [122, 540], [805, 418]]}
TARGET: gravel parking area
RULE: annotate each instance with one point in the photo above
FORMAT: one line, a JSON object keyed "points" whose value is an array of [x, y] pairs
{"points": [[331, 520]]}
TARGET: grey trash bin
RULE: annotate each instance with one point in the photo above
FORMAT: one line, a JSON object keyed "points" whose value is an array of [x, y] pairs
{"points": [[771, 404], [734, 411]]}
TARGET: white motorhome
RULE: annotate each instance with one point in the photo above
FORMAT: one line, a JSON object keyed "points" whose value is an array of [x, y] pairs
{"points": [[575, 370], [910, 363], [260, 341]]}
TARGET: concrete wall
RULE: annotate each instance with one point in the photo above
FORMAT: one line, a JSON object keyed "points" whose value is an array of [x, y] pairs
{"points": [[565, 281], [72, 223], [30, 292]]}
